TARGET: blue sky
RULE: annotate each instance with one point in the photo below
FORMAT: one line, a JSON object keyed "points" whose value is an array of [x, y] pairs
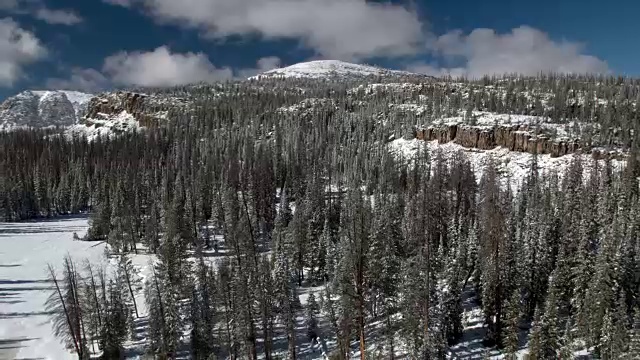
{"points": [[92, 45]]}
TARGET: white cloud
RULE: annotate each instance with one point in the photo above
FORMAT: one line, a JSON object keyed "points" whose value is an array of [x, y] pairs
{"points": [[341, 29], [18, 48], [160, 67], [434, 70], [269, 63], [262, 65], [123, 3], [86, 80], [524, 50], [38, 10], [57, 17]]}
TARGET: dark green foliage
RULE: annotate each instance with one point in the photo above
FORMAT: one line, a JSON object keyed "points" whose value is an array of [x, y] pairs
{"points": [[285, 197]]}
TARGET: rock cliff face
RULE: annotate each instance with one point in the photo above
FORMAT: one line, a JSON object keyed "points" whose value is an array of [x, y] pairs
{"points": [[112, 104], [513, 137], [147, 110], [43, 109]]}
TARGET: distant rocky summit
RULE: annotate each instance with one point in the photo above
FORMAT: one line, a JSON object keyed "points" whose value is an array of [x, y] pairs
{"points": [[39, 109]]}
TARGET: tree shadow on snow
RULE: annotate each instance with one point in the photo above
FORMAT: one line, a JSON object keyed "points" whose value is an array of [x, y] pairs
{"points": [[18, 315], [11, 302], [14, 343], [12, 231], [16, 282]]}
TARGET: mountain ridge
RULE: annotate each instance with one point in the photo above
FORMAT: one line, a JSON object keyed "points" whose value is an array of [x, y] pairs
{"points": [[43, 108], [328, 68]]}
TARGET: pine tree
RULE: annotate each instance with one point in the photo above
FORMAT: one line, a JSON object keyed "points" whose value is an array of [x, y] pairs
{"points": [[511, 339], [286, 294], [116, 326], [614, 341], [634, 338], [353, 248], [311, 319], [567, 345], [202, 312], [493, 253]]}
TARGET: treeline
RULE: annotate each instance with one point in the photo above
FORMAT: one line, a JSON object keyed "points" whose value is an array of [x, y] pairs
{"points": [[43, 175]]}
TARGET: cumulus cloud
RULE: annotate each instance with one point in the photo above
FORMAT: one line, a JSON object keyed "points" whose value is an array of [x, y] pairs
{"points": [[157, 68], [160, 67], [57, 17], [86, 80], [341, 29], [18, 48], [262, 65], [524, 50], [38, 10]]}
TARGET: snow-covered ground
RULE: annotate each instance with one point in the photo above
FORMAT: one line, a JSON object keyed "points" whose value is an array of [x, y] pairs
{"points": [[25, 250], [325, 68]]}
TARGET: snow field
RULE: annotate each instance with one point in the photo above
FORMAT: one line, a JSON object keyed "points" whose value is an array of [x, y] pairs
{"points": [[25, 250], [324, 68]]}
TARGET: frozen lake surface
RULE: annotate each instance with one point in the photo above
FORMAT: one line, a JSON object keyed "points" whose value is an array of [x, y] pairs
{"points": [[25, 250]]}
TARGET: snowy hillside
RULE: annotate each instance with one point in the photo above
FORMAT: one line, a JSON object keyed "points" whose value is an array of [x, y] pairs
{"points": [[43, 109], [327, 68]]}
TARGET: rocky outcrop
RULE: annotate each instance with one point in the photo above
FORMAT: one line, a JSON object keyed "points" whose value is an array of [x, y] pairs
{"points": [[112, 104], [56, 109], [115, 103], [39, 109], [513, 137], [148, 110]]}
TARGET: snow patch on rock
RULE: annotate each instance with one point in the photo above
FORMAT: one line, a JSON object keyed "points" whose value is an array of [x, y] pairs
{"points": [[105, 125], [513, 166]]}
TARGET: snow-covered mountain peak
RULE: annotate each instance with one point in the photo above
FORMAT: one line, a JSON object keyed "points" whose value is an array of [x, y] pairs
{"points": [[328, 68], [75, 97], [43, 108]]}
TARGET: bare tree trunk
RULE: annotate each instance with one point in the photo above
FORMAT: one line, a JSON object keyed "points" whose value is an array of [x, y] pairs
{"points": [[73, 282], [266, 330], [133, 298], [360, 305], [228, 310], [164, 326], [291, 334], [95, 293], [66, 312], [133, 235], [392, 349], [361, 331]]}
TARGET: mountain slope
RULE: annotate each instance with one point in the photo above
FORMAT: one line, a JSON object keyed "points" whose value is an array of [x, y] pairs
{"points": [[328, 68], [43, 109]]}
